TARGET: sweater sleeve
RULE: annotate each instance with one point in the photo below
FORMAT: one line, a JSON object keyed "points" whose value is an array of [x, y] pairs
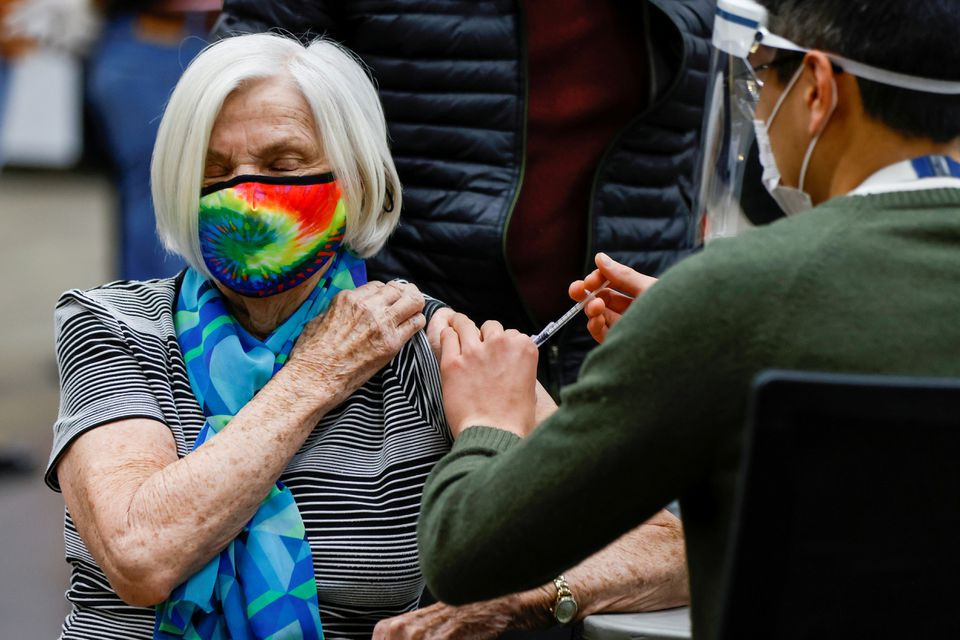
{"points": [[653, 408]]}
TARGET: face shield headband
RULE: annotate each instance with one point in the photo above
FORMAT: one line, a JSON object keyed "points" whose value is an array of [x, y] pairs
{"points": [[742, 47]]}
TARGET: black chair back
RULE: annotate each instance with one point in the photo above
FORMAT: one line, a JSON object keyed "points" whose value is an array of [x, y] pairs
{"points": [[848, 520]]}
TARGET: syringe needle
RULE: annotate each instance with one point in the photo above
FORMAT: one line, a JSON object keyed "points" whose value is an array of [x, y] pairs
{"points": [[553, 327]]}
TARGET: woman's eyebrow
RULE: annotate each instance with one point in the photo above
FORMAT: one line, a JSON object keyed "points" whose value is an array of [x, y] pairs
{"points": [[285, 145], [216, 156]]}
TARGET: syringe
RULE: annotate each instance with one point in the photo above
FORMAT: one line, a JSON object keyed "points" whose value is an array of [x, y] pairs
{"points": [[553, 327]]}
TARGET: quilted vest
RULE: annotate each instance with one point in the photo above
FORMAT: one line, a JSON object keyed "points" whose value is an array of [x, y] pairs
{"points": [[452, 78]]}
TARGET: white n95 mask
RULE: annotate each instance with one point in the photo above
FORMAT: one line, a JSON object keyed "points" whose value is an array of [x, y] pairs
{"points": [[791, 199]]}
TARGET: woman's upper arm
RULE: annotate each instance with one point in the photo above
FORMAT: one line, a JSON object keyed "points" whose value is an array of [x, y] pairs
{"points": [[110, 433], [101, 380], [99, 473]]}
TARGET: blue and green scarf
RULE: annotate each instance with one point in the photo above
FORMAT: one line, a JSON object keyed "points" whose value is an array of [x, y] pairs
{"points": [[262, 586]]}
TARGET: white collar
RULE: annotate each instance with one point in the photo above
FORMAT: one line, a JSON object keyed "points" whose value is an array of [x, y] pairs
{"points": [[902, 176]]}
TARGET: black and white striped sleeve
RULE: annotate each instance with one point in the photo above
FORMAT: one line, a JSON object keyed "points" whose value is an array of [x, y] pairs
{"points": [[101, 380], [420, 374]]}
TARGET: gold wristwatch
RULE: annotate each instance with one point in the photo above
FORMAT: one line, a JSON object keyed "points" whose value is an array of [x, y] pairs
{"points": [[565, 607]]}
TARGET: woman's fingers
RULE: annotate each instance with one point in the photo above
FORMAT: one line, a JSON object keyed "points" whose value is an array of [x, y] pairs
{"points": [[367, 290], [405, 288], [409, 303], [383, 296], [410, 326], [395, 301]]}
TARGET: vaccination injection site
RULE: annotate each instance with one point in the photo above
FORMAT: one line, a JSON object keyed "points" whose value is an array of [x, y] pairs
{"points": [[480, 319]]}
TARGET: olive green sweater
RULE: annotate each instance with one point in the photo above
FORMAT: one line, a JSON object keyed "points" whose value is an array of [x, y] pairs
{"points": [[859, 284]]}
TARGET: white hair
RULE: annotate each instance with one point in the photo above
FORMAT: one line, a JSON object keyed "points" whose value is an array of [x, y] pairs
{"points": [[348, 117]]}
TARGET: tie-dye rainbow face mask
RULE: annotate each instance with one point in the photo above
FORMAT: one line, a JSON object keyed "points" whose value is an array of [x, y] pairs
{"points": [[263, 235]]}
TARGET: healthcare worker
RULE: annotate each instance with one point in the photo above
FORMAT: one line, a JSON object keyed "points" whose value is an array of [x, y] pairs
{"points": [[856, 108]]}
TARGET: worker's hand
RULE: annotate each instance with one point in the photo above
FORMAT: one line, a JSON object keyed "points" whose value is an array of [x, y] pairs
{"points": [[489, 377], [605, 310], [546, 406], [441, 320]]}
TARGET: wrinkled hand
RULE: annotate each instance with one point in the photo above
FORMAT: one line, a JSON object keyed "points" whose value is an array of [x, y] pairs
{"points": [[440, 621], [485, 620], [605, 310], [488, 376], [359, 333]]}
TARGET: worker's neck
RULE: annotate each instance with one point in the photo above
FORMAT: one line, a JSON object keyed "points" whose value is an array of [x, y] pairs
{"points": [[866, 148]]}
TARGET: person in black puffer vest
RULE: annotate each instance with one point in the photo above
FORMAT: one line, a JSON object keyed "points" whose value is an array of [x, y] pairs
{"points": [[528, 136]]}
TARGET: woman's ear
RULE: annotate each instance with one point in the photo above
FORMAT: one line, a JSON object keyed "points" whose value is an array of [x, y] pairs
{"points": [[820, 92]]}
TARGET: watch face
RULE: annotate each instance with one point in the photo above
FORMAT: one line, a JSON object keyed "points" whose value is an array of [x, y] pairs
{"points": [[566, 610]]}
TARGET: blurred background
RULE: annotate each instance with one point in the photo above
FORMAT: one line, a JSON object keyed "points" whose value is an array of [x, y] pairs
{"points": [[82, 87]]}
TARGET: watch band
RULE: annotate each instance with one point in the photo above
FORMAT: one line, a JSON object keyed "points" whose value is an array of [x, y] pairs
{"points": [[565, 606]]}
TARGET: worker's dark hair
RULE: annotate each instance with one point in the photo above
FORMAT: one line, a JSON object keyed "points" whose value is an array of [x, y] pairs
{"points": [[916, 37]]}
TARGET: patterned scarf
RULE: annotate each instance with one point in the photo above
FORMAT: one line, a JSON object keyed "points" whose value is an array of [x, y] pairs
{"points": [[262, 586]]}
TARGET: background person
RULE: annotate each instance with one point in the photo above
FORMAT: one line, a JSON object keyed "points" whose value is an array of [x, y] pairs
{"points": [[10, 48], [659, 408], [137, 60], [527, 136], [27, 25]]}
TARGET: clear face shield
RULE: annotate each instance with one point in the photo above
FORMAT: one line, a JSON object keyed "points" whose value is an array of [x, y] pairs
{"points": [[732, 96], [727, 137]]}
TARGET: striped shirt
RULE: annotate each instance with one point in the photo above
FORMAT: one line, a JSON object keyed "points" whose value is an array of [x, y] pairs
{"points": [[357, 479]]}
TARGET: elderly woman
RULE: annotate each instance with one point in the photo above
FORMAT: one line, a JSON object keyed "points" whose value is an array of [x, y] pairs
{"points": [[244, 447], [274, 224]]}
